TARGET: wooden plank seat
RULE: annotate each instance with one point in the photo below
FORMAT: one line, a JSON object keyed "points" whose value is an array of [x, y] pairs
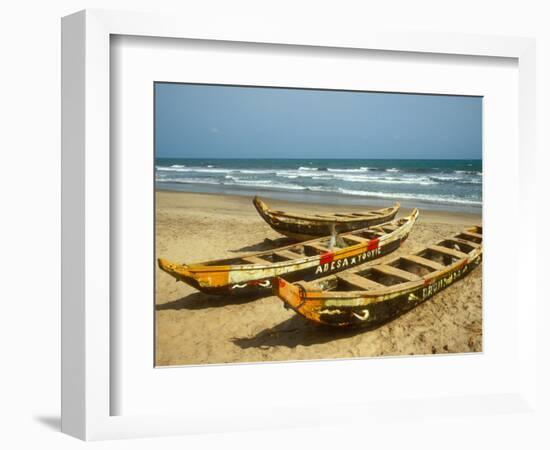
{"points": [[395, 272], [355, 239], [471, 234], [359, 282], [287, 254], [317, 247], [377, 232], [423, 262], [465, 242], [378, 229], [255, 260], [447, 251]]}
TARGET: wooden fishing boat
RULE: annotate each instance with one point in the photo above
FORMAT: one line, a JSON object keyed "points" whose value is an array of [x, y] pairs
{"points": [[302, 261], [303, 227], [377, 293]]}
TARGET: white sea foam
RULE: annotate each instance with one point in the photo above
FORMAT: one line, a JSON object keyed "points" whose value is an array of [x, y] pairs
{"points": [[361, 169], [355, 176], [469, 172], [188, 180], [247, 181], [421, 197], [170, 169], [254, 171], [459, 187], [306, 174], [267, 184], [421, 181], [236, 181], [185, 169], [443, 178]]}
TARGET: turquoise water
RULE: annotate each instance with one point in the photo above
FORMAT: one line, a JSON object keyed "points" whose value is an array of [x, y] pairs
{"points": [[432, 184]]}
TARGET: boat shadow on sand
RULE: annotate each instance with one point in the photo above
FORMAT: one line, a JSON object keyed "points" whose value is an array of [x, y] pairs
{"points": [[298, 331], [198, 300]]}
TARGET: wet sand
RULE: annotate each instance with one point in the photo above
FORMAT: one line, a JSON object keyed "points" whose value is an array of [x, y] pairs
{"points": [[194, 328]]}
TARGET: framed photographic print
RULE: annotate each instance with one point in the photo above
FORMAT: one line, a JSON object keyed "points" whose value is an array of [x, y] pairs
{"points": [[256, 223], [317, 192]]}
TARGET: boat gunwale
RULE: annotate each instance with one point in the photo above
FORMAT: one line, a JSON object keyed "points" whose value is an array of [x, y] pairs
{"points": [[307, 294], [400, 288], [281, 215], [410, 220]]}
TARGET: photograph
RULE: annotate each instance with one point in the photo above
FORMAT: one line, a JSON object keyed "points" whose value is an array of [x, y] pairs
{"points": [[298, 224]]}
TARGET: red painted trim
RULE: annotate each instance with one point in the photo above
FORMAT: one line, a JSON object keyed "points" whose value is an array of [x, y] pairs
{"points": [[326, 258], [373, 244]]}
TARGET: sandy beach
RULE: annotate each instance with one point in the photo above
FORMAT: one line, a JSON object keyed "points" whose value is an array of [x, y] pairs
{"points": [[194, 328]]}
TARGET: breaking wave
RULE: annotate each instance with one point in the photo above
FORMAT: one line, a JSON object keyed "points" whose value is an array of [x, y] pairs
{"points": [[437, 181]]}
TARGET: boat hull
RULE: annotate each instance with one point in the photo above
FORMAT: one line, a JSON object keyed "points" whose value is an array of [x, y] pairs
{"points": [[257, 278], [302, 228], [383, 310], [368, 308]]}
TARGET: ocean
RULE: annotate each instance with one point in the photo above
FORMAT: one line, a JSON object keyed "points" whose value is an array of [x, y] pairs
{"points": [[439, 184]]}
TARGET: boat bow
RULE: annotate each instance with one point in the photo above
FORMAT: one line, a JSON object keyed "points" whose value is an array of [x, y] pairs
{"points": [[178, 271]]}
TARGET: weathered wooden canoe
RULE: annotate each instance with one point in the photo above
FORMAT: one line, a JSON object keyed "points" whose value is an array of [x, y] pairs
{"points": [[302, 261], [377, 293], [303, 227]]}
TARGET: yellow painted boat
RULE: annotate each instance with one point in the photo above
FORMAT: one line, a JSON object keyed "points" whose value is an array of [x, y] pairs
{"points": [[301, 261], [302, 227], [378, 293]]}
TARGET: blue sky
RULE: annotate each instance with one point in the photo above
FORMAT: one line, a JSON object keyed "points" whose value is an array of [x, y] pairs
{"points": [[206, 121]]}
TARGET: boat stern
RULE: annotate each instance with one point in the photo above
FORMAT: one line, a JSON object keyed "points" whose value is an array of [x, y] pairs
{"points": [[409, 224], [291, 294], [260, 205], [295, 296]]}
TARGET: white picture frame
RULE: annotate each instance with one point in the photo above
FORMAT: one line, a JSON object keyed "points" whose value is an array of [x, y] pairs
{"points": [[87, 386]]}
